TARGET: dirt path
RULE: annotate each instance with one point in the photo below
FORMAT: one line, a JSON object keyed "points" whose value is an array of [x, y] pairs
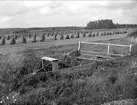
{"points": [[49, 43]]}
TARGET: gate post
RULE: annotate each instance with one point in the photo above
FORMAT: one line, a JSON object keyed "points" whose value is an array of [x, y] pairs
{"points": [[108, 48], [79, 46], [130, 49]]}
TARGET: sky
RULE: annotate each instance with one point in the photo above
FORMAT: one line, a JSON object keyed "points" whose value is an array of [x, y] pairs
{"points": [[54, 13]]}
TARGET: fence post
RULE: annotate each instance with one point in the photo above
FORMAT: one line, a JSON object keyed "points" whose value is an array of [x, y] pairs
{"points": [[130, 49], [108, 48], [79, 45]]}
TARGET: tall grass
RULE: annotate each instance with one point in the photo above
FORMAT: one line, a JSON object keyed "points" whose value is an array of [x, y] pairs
{"points": [[111, 80]]}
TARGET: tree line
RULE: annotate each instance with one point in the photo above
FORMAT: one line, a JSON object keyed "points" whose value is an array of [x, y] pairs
{"points": [[107, 24]]}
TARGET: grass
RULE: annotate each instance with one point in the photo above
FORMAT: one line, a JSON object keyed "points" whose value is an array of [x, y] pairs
{"points": [[111, 80]]}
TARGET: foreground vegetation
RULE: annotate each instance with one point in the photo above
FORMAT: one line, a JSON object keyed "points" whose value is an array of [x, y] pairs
{"points": [[107, 82]]}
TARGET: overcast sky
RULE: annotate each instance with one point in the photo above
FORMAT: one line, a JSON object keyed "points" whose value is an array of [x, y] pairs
{"points": [[65, 13]]}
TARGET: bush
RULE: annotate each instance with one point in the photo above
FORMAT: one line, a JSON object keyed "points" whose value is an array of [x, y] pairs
{"points": [[3, 41], [13, 41], [34, 39], [62, 37], [42, 38], [67, 37], [24, 40]]}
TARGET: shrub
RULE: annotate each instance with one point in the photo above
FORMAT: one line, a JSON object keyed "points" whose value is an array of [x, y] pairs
{"points": [[13, 41], [67, 37], [62, 37], [3, 41], [24, 40], [42, 38], [34, 39], [8, 37]]}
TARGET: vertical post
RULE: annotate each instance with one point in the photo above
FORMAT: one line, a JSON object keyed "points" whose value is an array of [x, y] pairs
{"points": [[79, 45], [108, 48], [130, 49]]}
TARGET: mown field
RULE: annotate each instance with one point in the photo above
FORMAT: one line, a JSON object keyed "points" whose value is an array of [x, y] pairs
{"points": [[110, 81]]}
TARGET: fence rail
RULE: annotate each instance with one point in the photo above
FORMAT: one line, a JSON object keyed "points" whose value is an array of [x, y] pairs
{"points": [[108, 48]]}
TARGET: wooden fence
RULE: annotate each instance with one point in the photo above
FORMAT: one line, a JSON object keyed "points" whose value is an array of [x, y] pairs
{"points": [[108, 48]]}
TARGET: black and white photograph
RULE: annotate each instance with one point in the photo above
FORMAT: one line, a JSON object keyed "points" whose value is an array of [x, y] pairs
{"points": [[68, 52]]}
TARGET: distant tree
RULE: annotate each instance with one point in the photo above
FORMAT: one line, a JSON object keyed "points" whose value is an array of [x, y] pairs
{"points": [[8, 37], [67, 37], [42, 38], [13, 41], [24, 40], [3, 41], [34, 39], [106, 24]]}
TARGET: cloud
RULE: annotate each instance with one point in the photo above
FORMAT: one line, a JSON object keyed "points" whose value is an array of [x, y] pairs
{"points": [[64, 13], [127, 4], [11, 8]]}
